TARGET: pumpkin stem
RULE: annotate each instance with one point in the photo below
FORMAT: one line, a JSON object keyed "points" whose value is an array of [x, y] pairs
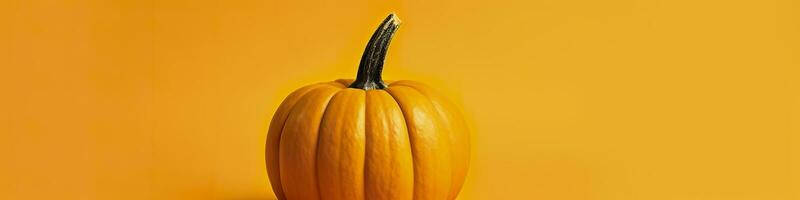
{"points": [[371, 67]]}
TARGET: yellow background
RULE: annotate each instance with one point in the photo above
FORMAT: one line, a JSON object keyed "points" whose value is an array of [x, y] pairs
{"points": [[617, 99]]}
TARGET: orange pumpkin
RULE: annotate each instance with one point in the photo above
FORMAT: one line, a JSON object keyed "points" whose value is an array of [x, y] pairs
{"points": [[365, 139]]}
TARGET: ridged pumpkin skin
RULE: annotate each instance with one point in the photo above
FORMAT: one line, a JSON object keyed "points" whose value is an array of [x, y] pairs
{"points": [[328, 141], [365, 139]]}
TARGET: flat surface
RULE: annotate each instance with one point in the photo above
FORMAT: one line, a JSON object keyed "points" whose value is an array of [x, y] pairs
{"points": [[617, 99]]}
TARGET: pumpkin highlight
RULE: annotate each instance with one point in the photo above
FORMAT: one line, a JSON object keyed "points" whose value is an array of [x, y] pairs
{"points": [[366, 139]]}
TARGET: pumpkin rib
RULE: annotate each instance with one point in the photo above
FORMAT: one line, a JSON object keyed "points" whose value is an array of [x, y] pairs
{"points": [[340, 146], [411, 145], [389, 168], [274, 134], [367, 144], [298, 172], [459, 134], [432, 167]]}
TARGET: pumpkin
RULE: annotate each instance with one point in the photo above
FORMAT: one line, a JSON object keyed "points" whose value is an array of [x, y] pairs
{"points": [[366, 138]]}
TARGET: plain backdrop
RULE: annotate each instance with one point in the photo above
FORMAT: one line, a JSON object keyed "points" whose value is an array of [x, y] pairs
{"points": [[571, 99]]}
